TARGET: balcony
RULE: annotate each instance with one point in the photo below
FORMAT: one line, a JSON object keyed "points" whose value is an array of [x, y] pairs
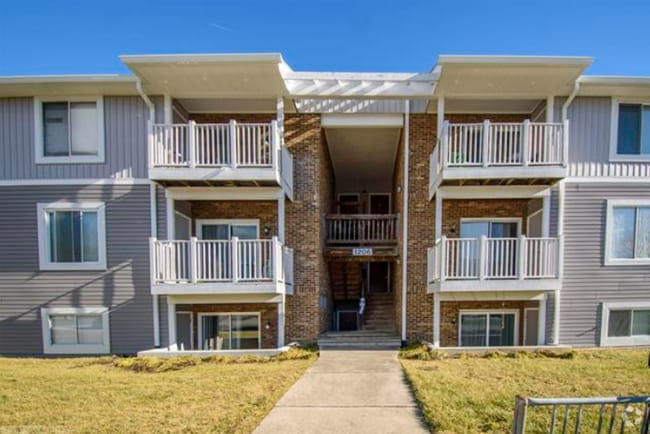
{"points": [[498, 152], [348, 233], [220, 267], [489, 264], [229, 152]]}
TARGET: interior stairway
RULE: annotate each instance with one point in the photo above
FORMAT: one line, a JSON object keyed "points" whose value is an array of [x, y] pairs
{"points": [[345, 280], [379, 315]]}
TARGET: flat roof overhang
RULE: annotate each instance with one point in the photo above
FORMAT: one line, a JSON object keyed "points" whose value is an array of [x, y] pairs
{"points": [[69, 85]]}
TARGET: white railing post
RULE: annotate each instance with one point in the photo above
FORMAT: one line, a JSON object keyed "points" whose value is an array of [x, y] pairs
{"points": [[560, 257], [191, 143], [234, 262], [486, 143], [152, 259], [525, 142], [443, 258], [232, 135], [193, 260], [445, 145], [522, 257], [482, 259], [565, 143], [275, 147], [275, 260]]}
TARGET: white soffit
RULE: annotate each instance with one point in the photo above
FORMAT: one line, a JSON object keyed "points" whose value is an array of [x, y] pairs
{"points": [[229, 105], [360, 84], [69, 85], [508, 76], [362, 121], [349, 105], [210, 75], [592, 85]]}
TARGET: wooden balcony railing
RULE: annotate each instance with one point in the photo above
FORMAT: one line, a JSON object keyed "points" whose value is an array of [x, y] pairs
{"points": [[493, 258], [361, 229]]}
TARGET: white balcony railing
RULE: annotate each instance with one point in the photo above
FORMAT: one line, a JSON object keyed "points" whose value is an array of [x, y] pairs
{"points": [[493, 259], [215, 145], [212, 261], [487, 144]]}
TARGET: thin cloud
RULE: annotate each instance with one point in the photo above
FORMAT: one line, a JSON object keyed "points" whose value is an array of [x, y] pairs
{"points": [[224, 28]]}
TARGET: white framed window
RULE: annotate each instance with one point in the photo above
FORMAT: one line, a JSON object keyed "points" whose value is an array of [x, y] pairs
{"points": [[69, 130], [73, 330], [229, 331], [630, 130], [488, 328], [627, 238], [625, 323], [71, 236]]}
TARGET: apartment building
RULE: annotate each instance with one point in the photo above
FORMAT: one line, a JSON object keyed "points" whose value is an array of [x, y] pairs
{"points": [[225, 202]]}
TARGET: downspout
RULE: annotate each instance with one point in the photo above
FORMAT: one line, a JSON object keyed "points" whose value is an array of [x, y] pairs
{"points": [[567, 103], [405, 215], [153, 207]]}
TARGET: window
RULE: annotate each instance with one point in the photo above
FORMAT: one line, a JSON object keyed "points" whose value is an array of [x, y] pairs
{"points": [[628, 232], [229, 331], [226, 229], [630, 131], [71, 236], [487, 329], [625, 324], [69, 131], [75, 330]]}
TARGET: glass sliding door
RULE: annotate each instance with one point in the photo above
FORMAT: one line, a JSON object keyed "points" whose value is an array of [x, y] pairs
{"points": [[230, 331], [501, 248], [488, 329], [218, 258]]}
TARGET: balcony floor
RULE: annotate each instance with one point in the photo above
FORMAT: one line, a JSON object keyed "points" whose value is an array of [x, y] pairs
{"points": [[494, 285], [217, 288]]}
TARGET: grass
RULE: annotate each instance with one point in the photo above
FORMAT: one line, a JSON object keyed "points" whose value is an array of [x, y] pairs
{"points": [[144, 394], [469, 393]]}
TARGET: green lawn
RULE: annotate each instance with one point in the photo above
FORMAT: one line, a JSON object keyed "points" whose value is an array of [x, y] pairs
{"points": [[477, 394], [105, 395]]}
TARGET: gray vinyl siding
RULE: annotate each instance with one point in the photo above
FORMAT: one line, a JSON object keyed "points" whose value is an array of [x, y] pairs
{"points": [[587, 282], [125, 142], [124, 287], [589, 139]]}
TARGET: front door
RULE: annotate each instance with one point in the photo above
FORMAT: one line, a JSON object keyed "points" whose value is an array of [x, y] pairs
{"points": [[378, 277], [531, 317], [379, 204]]}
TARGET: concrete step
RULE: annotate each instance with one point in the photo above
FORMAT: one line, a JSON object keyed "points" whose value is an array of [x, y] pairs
{"points": [[362, 339]]}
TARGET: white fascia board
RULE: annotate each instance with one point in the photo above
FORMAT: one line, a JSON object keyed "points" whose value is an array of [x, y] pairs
{"points": [[515, 60], [362, 120], [615, 80], [202, 58], [80, 78], [224, 193], [494, 192]]}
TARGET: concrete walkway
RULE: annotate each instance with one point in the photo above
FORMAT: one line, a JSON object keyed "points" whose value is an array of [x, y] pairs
{"points": [[348, 392]]}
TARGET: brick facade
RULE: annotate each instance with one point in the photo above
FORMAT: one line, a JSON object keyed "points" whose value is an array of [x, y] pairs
{"points": [[453, 210], [264, 211], [268, 316], [313, 196], [450, 310]]}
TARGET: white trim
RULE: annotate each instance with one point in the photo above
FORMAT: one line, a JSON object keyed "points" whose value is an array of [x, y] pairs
{"points": [[502, 286], [45, 262], [39, 150], [494, 192], [187, 218], [201, 315], [607, 341], [488, 312], [609, 232], [224, 193], [72, 181], [493, 295], [405, 212], [191, 314], [49, 348], [607, 179], [614, 156], [526, 309], [230, 222], [329, 120]]}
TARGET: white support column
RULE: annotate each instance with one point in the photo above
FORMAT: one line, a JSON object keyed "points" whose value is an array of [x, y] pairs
{"points": [[170, 219], [167, 112], [550, 109], [556, 318], [440, 116], [281, 218], [281, 319], [438, 217], [436, 320], [405, 218], [560, 227], [279, 108], [171, 323], [541, 321], [546, 216], [153, 218]]}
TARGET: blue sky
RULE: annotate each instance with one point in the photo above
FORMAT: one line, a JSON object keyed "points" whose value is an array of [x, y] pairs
{"points": [[59, 37]]}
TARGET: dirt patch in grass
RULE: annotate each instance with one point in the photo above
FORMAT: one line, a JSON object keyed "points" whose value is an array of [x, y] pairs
{"points": [[105, 394], [476, 393]]}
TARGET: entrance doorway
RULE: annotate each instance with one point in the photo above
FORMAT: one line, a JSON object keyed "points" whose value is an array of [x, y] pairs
{"points": [[531, 317], [378, 277], [379, 203]]}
